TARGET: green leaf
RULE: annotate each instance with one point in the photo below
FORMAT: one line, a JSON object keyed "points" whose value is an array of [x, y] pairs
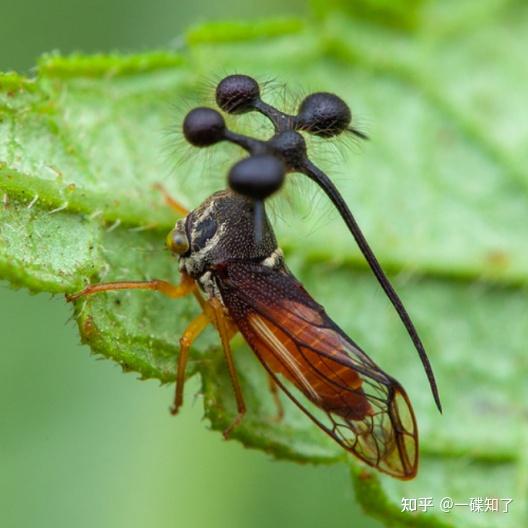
{"points": [[440, 191]]}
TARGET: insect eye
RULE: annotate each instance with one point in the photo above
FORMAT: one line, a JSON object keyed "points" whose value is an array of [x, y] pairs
{"points": [[257, 177], [237, 94], [203, 127], [323, 114], [177, 242]]}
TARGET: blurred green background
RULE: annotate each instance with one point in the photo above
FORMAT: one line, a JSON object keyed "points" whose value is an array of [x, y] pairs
{"points": [[83, 445]]}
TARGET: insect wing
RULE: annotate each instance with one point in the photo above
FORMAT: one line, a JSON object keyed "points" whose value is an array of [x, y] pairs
{"points": [[363, 409]]}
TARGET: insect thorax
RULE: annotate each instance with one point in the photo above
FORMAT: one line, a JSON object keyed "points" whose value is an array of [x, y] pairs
{"points": [[222, 230]]}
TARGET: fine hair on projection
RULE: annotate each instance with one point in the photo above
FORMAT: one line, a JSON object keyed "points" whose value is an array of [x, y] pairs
{"points": [[202, 171]]}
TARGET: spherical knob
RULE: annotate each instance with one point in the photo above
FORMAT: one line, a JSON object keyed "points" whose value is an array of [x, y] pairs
{"points": [[203, 127], [237, 94], [258, 176], [323, 114]]}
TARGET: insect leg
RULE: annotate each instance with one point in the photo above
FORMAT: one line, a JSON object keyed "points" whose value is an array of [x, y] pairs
{"points": [[185, 287], [226, 331], [275, 393], [170, 201], [195, 328]]}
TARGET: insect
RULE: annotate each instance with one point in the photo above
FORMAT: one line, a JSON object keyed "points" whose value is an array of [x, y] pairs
{"points": [[322, 114], [230, 261]]}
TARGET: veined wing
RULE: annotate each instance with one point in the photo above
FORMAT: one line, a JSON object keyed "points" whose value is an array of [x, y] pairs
{"points": [[363, 409]]}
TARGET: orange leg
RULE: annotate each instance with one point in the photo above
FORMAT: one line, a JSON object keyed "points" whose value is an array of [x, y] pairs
{"points": [[275, 393], [170, 201], [185, 287], [226, 329], [212, 313], [195, 328]]}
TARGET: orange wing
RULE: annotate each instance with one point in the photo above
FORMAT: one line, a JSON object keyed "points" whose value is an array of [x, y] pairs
{"points": [[363, 409]]}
